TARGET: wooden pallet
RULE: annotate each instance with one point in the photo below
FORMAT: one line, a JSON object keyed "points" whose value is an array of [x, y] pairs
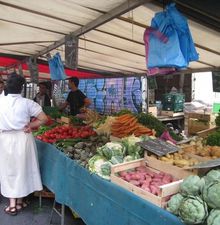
{"points": [[44, 194]]}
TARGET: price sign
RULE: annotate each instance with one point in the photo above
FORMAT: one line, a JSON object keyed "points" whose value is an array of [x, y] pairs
{"points": [[158, 147]]}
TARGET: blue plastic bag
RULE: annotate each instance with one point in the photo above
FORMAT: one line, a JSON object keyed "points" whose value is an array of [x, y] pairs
{"points": [[57, 71], [179, 50], [185, 38]]}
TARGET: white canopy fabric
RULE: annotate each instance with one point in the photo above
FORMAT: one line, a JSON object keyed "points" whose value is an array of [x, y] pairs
{"points": [[28, 27]]}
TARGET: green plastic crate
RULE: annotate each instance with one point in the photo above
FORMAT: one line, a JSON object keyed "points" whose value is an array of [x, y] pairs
{"points": [[173, 98], [175, 107], [216, 108]]}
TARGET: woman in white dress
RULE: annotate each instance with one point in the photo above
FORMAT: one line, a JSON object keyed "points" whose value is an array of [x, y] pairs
{"points": [[19, 169]]}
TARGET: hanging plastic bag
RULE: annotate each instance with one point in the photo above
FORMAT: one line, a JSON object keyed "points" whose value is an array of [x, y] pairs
{"points": [[57, 71], [165, 54], [179, 50], [185, 38], [163, 38]]}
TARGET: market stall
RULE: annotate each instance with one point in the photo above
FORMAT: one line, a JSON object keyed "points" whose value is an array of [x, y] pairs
{"points": [[96, 200]]}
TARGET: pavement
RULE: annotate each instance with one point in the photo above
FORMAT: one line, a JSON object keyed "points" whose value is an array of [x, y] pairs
{"points": [[34, 215]]}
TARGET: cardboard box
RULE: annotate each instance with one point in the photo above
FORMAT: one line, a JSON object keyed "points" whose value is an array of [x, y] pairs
{"points": [[152, 110]]}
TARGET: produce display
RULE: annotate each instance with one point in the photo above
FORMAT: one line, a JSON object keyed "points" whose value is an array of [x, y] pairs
{"points": [[87, 140], [180, 159], [152, 122], [113, 153], [126, 125], [146, 179], [199, 147], [65, 132], [198, 201]]}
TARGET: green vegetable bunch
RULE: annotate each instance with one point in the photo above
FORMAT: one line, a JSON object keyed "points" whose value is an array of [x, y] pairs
{"points": [[152, 122], [217, 120], [213, 139]]}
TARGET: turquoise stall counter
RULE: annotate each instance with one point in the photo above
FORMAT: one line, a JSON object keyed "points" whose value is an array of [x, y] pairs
{"points": [[97, 201]]}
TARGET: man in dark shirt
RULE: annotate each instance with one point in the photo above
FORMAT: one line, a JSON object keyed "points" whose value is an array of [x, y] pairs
{"points": [[42, 98], [75, 99]]}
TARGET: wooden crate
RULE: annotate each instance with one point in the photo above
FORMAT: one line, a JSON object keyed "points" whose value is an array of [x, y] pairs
{"points": [[195, 122], [44, 194], [165, 190], [166, 167], [206, 132], [171, 113]]}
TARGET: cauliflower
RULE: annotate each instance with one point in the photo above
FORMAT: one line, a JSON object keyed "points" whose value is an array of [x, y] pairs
{"points": [[192, 185], [174, 203], [193, 210], [130, 144]]}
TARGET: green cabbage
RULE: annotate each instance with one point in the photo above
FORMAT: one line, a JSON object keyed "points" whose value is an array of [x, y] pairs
{"points": [[128, 158], [212, 175], [116, 159], [193, 210], [174, 203], [192, 185], [214, 217], [111, 149], [211, 194], [130, 145], [106, 169]]}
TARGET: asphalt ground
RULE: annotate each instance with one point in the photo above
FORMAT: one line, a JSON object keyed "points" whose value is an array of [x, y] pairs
{"points": [[34, 215]]}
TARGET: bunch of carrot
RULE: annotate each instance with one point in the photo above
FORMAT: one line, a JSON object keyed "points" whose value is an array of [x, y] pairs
{"points": [[126, 125]]}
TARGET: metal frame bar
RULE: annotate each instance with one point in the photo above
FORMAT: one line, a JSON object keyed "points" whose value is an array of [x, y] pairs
{"points": [[61, 214], [123, 8]]}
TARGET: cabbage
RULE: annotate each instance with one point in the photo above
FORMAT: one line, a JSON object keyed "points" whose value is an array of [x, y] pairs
{"points": [[128, 158], [111, 149], [214, 217], [174, 203], [211, 194], [212, 175], [106, 169], [193, 210], [116, 159], [130, 144], [192, 185]]}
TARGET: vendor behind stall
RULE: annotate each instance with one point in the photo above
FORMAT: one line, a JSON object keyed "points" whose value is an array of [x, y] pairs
{"points": [[42, 98], [75, 99]]}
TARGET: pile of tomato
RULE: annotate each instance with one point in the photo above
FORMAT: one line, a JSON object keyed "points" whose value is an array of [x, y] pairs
{"points": [[66, 132]]}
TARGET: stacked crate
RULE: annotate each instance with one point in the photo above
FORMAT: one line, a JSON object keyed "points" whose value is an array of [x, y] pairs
{"points": [[173, 102]]}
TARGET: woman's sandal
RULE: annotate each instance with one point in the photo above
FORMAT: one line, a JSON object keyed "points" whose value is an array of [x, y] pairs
{"points": [[21, 205], [11, 210]]}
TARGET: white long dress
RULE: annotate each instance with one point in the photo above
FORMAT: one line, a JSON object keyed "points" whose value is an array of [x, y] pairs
{"points": [[19, 169]]}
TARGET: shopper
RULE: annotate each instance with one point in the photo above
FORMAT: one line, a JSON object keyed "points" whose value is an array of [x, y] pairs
{"points": [[75, 99], [19, 169], [42, 98]]}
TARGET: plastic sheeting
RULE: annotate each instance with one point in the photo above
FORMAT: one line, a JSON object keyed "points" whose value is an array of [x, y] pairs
{"points": [[97, 201]]}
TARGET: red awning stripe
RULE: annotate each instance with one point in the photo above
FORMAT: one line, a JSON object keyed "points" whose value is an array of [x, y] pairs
{"points": [[7, 62]]}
